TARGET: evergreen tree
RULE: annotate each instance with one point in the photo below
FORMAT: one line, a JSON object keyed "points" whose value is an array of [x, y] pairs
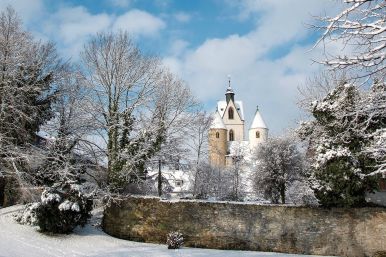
{"points": [[337, 138], [374, 108], [28, 70]]}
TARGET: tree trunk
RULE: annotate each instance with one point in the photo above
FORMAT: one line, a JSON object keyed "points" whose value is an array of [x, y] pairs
{"points": [[159, 179], [282, 193]]}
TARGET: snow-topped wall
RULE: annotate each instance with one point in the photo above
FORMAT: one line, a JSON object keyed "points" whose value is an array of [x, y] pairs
{"points": [[224, 225]]}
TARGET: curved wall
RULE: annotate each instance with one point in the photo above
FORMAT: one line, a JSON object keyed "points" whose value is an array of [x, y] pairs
{"points": [[223, 225]]}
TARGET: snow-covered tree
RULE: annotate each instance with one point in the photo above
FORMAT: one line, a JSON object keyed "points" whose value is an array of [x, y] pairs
{"points": [[137, 102], [361, 27], [213, 182], [121, 80], [198, 131], [337, 138], [70, 151], [278, 164], [237, 170], [29, 71], [198, 144], [317, 87], [373, 109]]}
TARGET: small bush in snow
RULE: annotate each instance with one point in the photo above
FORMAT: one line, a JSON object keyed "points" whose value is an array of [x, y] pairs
{"points": [[174, 240], [27, 216], [63, 208]]}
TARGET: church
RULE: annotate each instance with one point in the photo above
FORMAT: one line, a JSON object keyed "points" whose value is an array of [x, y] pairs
{"points": [[226, 134]]}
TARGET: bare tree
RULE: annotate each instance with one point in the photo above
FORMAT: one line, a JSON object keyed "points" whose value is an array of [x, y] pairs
{"points": [[137, 103], [71, 151], [317, 87], [279, 163], [238, 169], [121, 79], [198, 143], [213, 182], [362, 27]]}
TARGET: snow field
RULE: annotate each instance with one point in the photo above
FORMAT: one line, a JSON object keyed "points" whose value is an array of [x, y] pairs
{"points": [[21, 240]]}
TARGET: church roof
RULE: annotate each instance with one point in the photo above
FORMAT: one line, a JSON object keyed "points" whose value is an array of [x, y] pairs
{"points": [[221, 106], [217, 122], [258, 121]]}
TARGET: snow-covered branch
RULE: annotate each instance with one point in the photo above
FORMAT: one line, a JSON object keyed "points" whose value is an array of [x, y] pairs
{"points": [[362, 28]]}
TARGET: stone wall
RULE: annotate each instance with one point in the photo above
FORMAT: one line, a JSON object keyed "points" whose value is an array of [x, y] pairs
{"points": [[290, 229]]}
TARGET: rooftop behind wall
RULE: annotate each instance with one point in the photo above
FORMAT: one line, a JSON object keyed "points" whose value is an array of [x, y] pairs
{"points": [[222, 225]]}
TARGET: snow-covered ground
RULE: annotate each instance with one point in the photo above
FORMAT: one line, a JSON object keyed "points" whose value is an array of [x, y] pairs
{"points": [[20, 240]]}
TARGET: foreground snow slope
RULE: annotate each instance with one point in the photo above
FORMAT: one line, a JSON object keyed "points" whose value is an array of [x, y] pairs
{"points": [[19, 240]]}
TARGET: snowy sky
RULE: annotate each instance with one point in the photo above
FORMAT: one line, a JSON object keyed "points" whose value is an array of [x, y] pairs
{"points": [[264, 44]]}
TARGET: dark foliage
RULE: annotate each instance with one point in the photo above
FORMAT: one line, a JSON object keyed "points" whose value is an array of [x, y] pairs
{"points": [[174, 240], [63, 208]]}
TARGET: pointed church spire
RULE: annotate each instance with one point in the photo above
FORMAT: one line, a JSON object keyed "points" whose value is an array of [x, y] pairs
{"points": [[229, 94], [258, 121]]}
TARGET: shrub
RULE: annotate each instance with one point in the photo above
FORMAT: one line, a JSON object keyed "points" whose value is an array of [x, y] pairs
{"points": [[27, 216], [174, 240], [62, 208]]}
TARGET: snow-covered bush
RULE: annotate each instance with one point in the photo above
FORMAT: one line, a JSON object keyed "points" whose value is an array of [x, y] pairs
{"points": [[342, 163], [62, 208], [27, 216], [174, 240]]}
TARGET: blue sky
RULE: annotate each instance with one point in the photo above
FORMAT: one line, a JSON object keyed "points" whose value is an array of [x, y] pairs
{"points": [[265, 45]]}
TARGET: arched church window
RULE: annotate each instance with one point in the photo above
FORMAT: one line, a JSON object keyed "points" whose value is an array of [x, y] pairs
{"points": [[230, 113], [257, 134], [231, 136], [217, 135]]}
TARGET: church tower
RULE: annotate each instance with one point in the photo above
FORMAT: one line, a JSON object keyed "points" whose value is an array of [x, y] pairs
{"points": [[258, 132], [217, 141], [232, 114], [226, 134]]}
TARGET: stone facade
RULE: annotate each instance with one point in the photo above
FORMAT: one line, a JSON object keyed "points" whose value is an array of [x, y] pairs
{"points": [[217, 147], [290, 229]]}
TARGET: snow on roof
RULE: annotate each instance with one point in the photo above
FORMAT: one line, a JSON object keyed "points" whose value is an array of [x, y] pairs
{"points": [[221, 105], [174, 176], [217, 122], [258, 121]]}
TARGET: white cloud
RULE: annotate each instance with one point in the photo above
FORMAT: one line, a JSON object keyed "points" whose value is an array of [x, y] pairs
{"points": [[178, 47], [76, 23], [138, 22], [257, 79], [71, 26]]}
